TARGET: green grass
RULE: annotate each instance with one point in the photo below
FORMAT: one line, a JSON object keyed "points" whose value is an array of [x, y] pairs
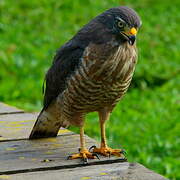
{"points": [[146, 122]]}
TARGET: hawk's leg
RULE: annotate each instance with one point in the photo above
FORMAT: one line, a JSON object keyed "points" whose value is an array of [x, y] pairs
{"points": [[84, 154], [104, 149]]}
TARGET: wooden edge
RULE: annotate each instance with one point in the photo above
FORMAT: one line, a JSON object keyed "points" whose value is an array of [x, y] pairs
{"points": [[6, 109], [67, 166], [121, 171]]}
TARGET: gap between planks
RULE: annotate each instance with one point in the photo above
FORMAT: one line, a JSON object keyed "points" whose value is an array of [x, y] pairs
{"points": [[69, 166]]}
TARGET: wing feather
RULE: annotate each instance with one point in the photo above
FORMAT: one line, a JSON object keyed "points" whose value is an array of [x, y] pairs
{"points": [[64, 65]]}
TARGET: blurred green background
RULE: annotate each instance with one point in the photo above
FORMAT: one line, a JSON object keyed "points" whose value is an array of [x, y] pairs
{"points": [[146, 122]]}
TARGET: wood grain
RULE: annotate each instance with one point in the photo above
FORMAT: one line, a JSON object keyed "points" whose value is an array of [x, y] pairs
{"points": [[19, 126], [115, 171], [43, 154], [46, 159], [6, 109]]}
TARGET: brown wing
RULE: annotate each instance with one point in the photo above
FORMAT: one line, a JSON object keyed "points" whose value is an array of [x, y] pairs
{"points": [[65, 62]]}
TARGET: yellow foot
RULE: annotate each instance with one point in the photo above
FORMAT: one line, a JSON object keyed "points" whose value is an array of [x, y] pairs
{"points": [[106, 151], [84, 155]]}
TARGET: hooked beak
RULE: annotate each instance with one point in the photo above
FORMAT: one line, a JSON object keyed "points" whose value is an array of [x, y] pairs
{"points": [[131, 39], [130, 35]]}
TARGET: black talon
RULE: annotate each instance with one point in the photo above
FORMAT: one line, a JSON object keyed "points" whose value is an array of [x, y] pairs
{"points": [[92, 148], [79, 149], [123, 152], [94, 154], [109, 154], [85, 161], [69, 157]]}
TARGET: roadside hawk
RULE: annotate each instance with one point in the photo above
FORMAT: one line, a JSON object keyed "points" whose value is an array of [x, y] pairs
{"points": [[91, 72]]}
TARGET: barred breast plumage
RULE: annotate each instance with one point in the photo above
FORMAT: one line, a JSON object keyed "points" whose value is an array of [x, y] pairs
{"points": [[99, 82]]}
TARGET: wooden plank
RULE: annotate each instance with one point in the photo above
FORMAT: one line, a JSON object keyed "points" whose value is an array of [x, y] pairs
{"points": [[6, 109], [50, 153], [21, 158], [16, 126], [120, 171], [19, 126]]}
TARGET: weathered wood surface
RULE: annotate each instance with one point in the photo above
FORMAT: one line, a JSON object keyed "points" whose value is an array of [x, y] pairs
{"points": [[19, 125], [117, 171], [21, 158], [6, 109], [25, 155]]}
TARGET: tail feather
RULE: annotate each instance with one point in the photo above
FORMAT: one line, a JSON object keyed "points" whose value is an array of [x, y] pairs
{"points": [[48, 123], [44, 127]]}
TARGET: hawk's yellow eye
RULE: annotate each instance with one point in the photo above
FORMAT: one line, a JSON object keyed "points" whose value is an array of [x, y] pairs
{"points": [[120, 24]]}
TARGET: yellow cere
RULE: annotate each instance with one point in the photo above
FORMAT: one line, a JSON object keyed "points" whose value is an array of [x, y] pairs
{"points": [[133, 31]]}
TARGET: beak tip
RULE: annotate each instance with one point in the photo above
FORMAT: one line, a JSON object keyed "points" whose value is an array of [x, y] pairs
{"points": [[132, 39]]}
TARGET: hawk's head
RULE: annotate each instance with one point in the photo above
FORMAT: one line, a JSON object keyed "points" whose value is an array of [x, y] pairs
{"points": [[122, 21]]}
